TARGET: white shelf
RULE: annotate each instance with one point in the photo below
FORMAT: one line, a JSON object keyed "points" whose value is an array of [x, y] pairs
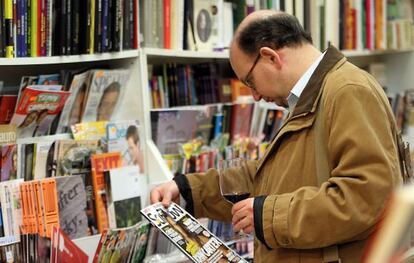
{"points": [[168, 53], [365, 53], [68, 59], [47, 138]]}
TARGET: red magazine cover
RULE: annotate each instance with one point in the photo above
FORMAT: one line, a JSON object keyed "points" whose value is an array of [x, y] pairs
{"points": [[7, 105], [65, 251], [36, 109]]}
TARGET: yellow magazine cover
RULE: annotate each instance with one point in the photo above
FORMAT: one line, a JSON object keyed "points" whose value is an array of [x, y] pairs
{"points": [[89, 130]]}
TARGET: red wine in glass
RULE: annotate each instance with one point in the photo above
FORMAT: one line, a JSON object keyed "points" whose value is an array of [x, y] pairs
{"points": [[236, 196]]}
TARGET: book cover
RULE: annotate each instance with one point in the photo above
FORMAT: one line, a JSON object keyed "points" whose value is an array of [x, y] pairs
{"points": [[125, 137], [100, 164], [240, 120], [72, 206], [105, 94], [125, 202], [203, 26], [191, 237]]}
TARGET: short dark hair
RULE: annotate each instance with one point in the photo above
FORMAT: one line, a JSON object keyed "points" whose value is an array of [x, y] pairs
{"points": [[275, 31], [132, 132]]}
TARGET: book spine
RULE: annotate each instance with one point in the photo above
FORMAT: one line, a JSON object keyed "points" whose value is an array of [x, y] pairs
{"points": [[8, 17], [68, 31], [92, 27], [104, 37], [33, 28], [42, 28], [75, 27]]}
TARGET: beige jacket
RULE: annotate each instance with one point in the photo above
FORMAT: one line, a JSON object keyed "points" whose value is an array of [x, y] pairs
{"points": [[299, 217]]}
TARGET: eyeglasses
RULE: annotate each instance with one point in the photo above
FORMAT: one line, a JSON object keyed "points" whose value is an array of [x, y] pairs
{"points": [[246, 81]]}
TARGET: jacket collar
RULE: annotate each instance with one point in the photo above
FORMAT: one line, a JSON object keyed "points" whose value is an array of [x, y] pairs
{"points": [[312, 89]]}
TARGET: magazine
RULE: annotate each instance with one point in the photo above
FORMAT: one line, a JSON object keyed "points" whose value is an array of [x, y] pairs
{"points": [[123, 244], [89, 130], [105, 94], [124, 137], [72, 112], [64, 250], [36, 109], [124, 202], [192, 238]]}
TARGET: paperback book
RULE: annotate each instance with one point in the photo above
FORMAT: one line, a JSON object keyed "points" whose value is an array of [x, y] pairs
{"points": [[191, 237]]}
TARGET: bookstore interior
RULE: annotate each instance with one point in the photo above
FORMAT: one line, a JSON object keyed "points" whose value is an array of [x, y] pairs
{"points": [[103, 100]]}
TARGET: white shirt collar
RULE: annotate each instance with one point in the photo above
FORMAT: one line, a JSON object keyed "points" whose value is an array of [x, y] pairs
{"points": [[302, 82]]}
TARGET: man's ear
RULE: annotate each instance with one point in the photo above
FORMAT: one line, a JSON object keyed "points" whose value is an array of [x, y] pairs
{"points": [[272, 56]]}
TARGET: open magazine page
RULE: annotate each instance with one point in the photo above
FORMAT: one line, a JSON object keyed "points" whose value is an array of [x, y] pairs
{"points": [[36, 109], [200, 245]]}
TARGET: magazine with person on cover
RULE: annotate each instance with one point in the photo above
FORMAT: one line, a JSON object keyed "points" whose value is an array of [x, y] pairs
{"points": [[192, 238]]}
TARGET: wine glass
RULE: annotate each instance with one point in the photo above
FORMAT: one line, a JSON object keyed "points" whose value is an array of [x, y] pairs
{"points": [[234, 183]]}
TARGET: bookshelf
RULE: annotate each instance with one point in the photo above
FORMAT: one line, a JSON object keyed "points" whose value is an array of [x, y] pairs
{"points": [[394, 60]]}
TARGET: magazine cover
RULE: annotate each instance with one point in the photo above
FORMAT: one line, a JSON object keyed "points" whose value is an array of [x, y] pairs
{"points": [[100, 163], [72, 112], [105, 94], [64, 250], [36, 109], [125, 202], [123, 244], [8, 162], [89, 130], [7, 105], [172, 127], [124, 137], [183, 230], [72, 206]]}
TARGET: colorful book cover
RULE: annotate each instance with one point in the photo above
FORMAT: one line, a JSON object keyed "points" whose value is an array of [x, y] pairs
{"points": [[72, 206], [100, 164], [240, 120], [125, 202], [89, 130], [125, 137], [191, 237]]}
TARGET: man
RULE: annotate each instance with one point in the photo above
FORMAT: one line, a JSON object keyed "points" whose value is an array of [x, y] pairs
{"points": [[295, 218], [108, 102]]}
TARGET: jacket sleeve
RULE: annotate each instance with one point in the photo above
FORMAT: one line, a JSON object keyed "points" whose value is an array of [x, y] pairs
{"points": [[206, 197], [364, 165]]}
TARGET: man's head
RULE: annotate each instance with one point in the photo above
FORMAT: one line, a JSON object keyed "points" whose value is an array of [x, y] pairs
{"points": [[264, 54], [132, 138], [108, 102]]}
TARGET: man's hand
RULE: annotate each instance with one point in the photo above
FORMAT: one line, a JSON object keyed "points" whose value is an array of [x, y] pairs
{"points": [[243, 216], [165, 193]]}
